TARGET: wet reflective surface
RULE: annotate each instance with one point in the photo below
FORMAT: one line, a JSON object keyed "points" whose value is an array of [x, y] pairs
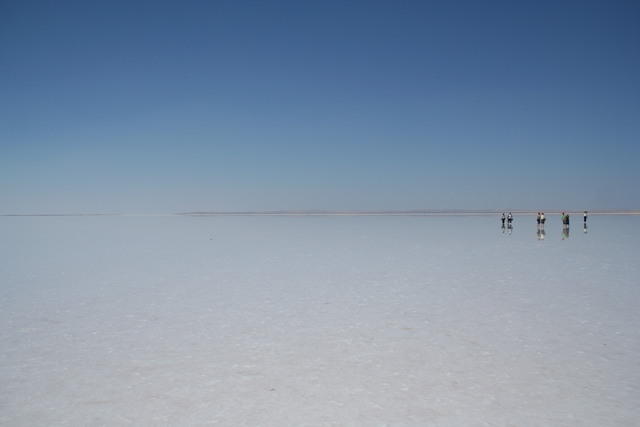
{"points": [[357, 320]]}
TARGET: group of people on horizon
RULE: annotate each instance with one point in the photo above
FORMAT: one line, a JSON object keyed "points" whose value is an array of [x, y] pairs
{"points": [[541, 219], [508, 218], [565, 219]]}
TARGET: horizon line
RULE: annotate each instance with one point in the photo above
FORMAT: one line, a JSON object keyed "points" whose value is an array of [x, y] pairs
{"points": [[317, 212]]}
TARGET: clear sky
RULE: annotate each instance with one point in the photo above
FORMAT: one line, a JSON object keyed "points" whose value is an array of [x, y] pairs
{"points": [[177, 106]]}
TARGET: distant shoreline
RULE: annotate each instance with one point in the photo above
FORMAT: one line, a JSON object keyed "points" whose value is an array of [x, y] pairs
{"points": [[459, 212], [403, 213]]}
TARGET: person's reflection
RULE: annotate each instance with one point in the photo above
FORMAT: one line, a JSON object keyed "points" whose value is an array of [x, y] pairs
{"points": [[509, 228], [541, 233], [584, 228], [503, 228], [565, 231]]}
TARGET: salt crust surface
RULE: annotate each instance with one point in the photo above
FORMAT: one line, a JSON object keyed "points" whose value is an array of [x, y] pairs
{"points": [[273, 321]]}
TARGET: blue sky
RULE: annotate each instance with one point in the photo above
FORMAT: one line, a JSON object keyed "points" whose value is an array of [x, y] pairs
{"points": [[177, 106]]}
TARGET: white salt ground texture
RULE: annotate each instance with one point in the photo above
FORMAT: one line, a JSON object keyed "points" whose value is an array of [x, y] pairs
{"points": [[312, 321]]}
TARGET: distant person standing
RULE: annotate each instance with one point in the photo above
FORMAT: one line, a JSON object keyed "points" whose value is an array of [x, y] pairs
{"points": [[538, 219], [565, 219], [509, 218], [504, 217], [542, 218], [584, 216]]}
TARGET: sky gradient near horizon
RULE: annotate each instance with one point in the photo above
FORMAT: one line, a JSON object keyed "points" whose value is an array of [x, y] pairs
{"points": [[183, 106]]}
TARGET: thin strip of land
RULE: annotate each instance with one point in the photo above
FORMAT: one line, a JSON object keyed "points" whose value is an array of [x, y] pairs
{"points": [[425, 212]]}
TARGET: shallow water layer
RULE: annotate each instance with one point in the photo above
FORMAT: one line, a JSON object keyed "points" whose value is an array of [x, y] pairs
{"points": [[318, 321]]}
